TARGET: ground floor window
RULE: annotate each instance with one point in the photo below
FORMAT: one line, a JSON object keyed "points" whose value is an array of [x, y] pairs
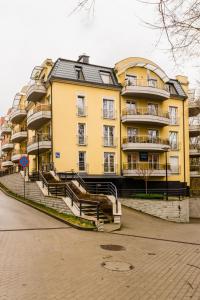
{"points": [[82, 161], [109, 162]]}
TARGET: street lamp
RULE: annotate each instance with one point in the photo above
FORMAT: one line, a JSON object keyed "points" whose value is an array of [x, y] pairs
{"points": [[166, 149], [38, 152]]}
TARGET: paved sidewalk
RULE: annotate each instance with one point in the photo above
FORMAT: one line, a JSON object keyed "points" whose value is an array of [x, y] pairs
{"points": [[62, 264]]}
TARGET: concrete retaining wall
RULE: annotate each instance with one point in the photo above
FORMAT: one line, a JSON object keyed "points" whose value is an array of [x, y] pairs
{"points": [[195, 208], [175, 211]]}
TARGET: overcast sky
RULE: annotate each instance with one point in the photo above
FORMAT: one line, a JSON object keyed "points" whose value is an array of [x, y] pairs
{"points": [[31, 31]]}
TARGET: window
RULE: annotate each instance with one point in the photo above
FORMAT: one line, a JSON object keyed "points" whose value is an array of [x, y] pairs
{"points": [[153, 109], [106, 77], [132, 161], [131, 79], [82, 161], [153, 135], [173, 140], [152, 83], [132, 134], [81, 106], [154, 161], [108, 136], [174, 164], [81, 134], [108, 109], [79, 73], [109, 162], [131, 107], [173, 113]]}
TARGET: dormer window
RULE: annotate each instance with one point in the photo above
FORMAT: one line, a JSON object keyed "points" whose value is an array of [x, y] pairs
{"points": [[79, 73], [106, 77]]}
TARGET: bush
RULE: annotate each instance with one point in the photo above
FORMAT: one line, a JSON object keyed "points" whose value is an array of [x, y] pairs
{"points": [[149, 196]]}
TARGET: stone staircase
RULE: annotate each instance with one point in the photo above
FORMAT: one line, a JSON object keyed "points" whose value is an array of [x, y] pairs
{"points": [[15, 183]]}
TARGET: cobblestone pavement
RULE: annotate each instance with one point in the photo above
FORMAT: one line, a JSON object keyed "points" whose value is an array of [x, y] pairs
{"points": [[65, 263]]}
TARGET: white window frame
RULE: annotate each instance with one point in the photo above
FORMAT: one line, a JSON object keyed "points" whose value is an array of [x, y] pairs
{"points": [[109, 115]]}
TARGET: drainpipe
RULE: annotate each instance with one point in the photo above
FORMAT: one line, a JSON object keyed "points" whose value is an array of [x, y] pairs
{"points": [[51, 85], [120, 132], [184, 155]]}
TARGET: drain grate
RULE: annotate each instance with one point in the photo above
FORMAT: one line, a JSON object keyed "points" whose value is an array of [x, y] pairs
{"points": [[113, 247], [118, 266]]}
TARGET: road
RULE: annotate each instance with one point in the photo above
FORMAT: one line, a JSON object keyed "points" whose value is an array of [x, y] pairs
{"points": [[42, 259]]}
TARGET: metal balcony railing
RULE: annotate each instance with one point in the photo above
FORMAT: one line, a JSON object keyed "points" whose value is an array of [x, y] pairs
{"points": [[19, 129], [145, 139], [109, 141], [82, 167], [39, 108], [41, 138], [146, 83], [109, 168], [82, 140], [81, 111], [145, 166], [109, 114], [145, 111]]}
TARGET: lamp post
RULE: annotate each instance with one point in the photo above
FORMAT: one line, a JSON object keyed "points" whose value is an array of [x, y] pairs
{"points": [[38, 152], [166, 149]]}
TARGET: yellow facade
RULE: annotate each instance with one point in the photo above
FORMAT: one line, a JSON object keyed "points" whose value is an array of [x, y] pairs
{"points": [[53, 122]]}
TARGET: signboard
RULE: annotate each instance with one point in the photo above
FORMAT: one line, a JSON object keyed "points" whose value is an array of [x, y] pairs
{"points": [[24, 162], [57, 154], [143, 156]]}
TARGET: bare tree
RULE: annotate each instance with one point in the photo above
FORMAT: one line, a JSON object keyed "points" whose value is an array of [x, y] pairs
{"points": [[144, 170], [89, 5]]}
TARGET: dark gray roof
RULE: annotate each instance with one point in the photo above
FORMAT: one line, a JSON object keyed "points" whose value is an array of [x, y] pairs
{"points": [[177, 87], [65, 69]]}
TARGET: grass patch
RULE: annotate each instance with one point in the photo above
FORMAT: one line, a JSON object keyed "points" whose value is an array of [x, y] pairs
{"points": [[72, 220], [149, 196]]}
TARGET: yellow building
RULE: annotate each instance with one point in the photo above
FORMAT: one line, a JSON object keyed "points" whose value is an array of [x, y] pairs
{"points": [[119, 124]]}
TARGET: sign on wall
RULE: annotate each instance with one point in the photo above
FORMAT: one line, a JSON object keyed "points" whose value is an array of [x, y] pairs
{"points": [[143, 156], [57, 154]]}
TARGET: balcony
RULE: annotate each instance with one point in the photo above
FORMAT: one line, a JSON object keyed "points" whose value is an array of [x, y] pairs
{"points": [[41, 144], [194, 130], [82, 140], [139, 169], [17, 155], [109, 141], [146, 88], [194, 107], [39, 116], [145, 143], [109, 168], [194, 171], [194, 149], [145, 116], [36, 92], [7, 146], [7, 163], [19, 135], [5, 130], [18, 115]]}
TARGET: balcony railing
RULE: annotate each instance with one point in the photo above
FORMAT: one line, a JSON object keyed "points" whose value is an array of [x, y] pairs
{"points": [[81, 111], [44, 137], [18, 114], [19, 129], [82, 167], [39, 116], [148, 88], [36, 91], [149, 169], [82, 140], [109, 114], [109, 168], [146, 112], [145, 166], [145, 115], [145, 139]]}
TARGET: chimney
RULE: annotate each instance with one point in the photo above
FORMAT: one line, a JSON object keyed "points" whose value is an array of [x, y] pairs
{"points": [[83, 59]]}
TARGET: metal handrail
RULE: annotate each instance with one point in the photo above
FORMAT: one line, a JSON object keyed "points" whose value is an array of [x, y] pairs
{"points": [[42, 137], [145, 139], [39, 108], [145, 166]]}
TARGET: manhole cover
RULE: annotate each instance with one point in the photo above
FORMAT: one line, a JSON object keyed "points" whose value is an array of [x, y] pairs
{"points": [[117, 266], [113, 247]]}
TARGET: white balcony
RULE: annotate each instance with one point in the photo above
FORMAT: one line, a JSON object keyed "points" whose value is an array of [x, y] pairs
{"points": [[5, 130], [19, 136], [36, 92], [7, 147], [145, 88], [18, 115], [7, 163], [42, 145], [145, 143], [194, 130], [145, 116], [39, 116]]}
